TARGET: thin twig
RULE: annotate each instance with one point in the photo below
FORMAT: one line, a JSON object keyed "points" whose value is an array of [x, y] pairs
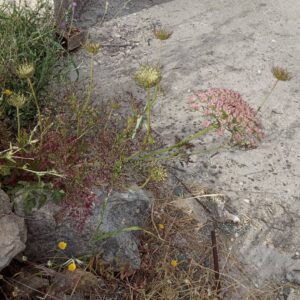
{"points": [[191, 193], [117, 45]]}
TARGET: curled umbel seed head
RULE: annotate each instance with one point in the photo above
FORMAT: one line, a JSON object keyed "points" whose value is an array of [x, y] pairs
{"points": [[158, 173], [148, 76], [162, 33], [25, 71], [281, 74], [17, 101], [92, 48]]}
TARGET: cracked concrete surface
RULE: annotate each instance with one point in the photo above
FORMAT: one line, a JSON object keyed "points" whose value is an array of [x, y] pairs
{"points": [[232, 44]]}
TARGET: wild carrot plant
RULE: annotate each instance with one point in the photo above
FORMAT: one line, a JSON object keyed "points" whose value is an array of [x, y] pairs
{"points": [[26, 71], [229, 112], [225, 111], [18, 102], [149, 76]]}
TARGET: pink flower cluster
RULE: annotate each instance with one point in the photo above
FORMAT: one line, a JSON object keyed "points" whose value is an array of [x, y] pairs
{"points": [[231, 113]]}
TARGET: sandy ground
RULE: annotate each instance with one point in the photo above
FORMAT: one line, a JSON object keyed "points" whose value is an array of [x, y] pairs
{"points": [[220, 43]]}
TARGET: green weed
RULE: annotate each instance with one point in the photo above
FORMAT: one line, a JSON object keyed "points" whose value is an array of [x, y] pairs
{"points": [[28, 35]]}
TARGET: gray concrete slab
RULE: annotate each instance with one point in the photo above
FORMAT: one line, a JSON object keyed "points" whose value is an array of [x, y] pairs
{"points": [[231, 44]]}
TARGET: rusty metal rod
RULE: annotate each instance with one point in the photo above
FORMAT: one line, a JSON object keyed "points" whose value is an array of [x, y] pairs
{"points": [[213, 239], [216, 262]]}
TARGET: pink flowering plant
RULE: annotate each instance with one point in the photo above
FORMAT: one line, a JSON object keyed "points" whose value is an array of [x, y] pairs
{"points": [[227, 110], [224, 111]]}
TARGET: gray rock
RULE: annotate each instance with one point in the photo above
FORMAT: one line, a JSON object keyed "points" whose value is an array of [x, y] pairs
{"points": [[124, 210], [294, 294], [13, 232], [5, 204], [106, 231], [293, 272]]}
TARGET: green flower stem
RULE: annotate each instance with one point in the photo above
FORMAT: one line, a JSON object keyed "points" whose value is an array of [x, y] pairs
{"points": [[159, 51], [91, 85], [146, 182], [19, 125], [140, 122], [177, 145], [148, 111], [39, 174], [224, 146], [108, 119], [88, 98], [36, 104], [155, 94], [267, 97]]}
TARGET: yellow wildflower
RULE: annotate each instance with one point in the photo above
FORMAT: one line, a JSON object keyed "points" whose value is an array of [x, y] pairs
{"points": [[161, 226], [72, 266], [62, 245], [174, 263], [7, 92]]}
